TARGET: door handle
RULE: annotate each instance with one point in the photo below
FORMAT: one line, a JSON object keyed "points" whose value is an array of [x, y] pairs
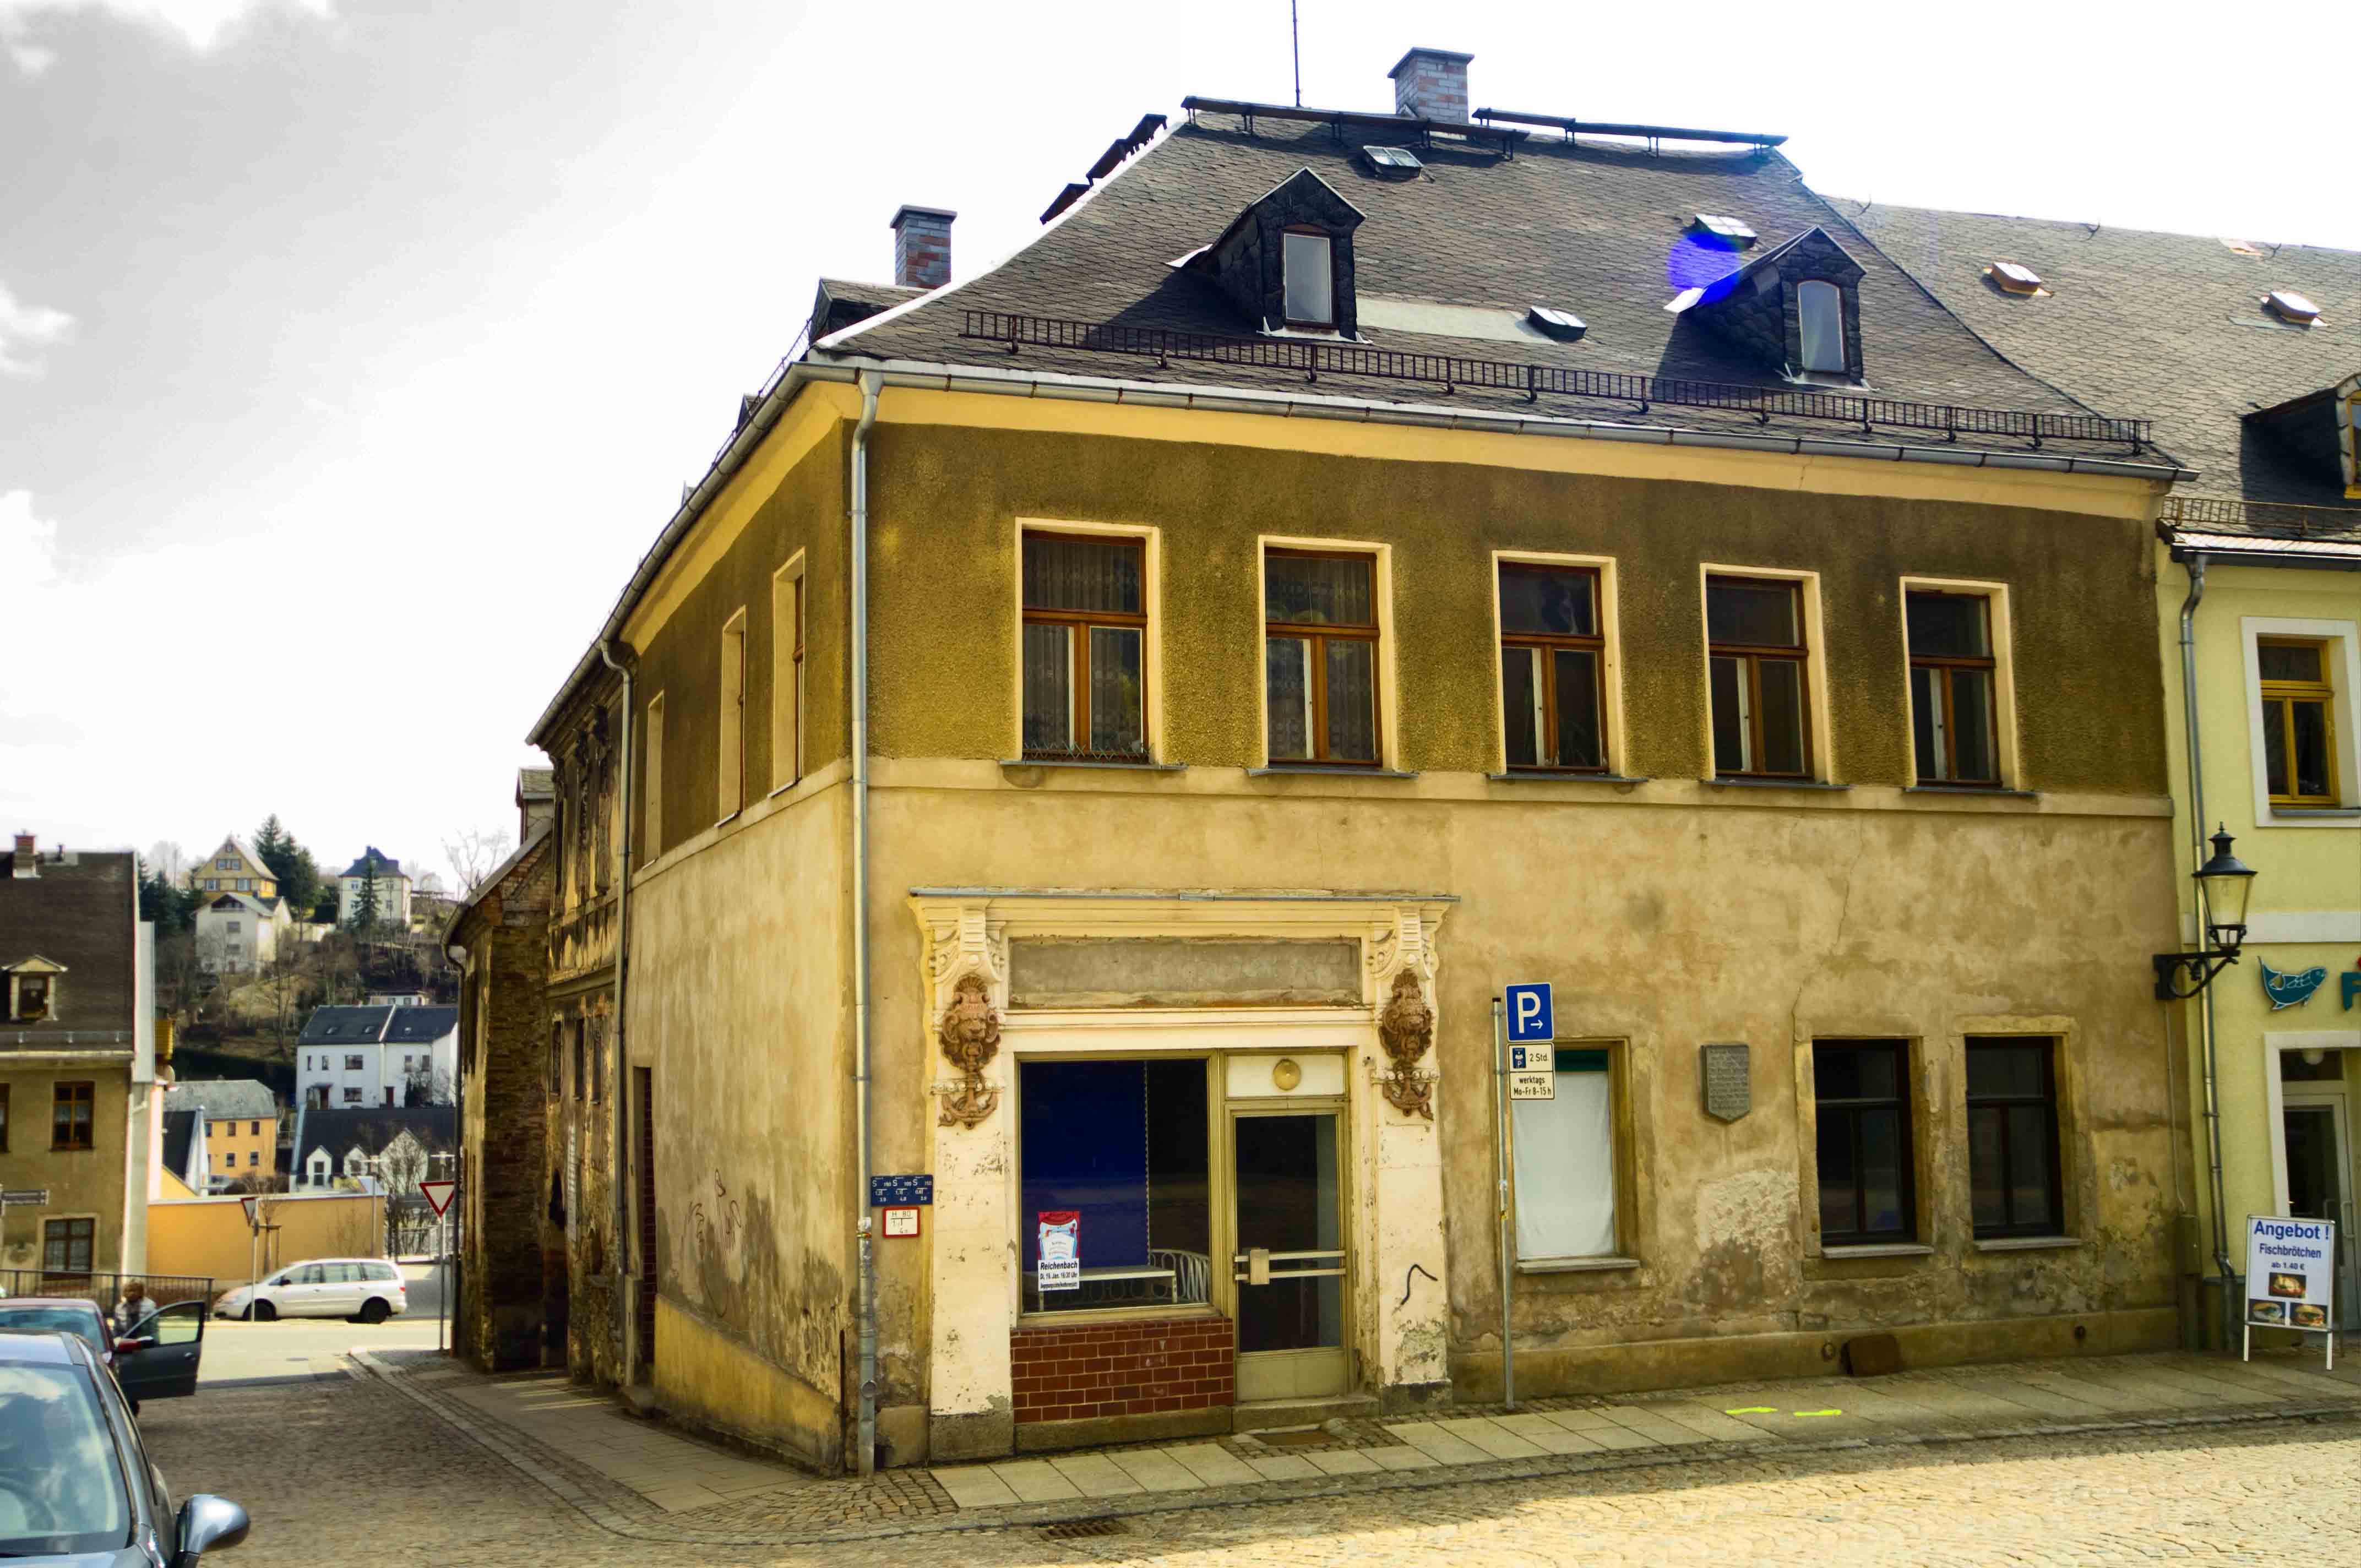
{"points": [[1258, 1266]]}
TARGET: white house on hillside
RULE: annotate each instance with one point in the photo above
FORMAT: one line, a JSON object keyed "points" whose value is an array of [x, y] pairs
{"points": [[392, 889], [237, 932], [351, 1057]]}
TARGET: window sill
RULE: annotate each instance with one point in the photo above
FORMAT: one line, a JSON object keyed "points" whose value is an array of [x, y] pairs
{"points": [[1142, 766], [725, 821], [2025, 1243], [1083, 1317], [1772, 784], [1880, 1249], [1566, 776], [1329, 770], [784, 787], [1575, 1265], [2316, 813], [1986, 791]]}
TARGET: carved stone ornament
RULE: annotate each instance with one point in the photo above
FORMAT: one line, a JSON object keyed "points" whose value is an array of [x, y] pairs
{"points": [[970, 1036], [1406, 1028]]}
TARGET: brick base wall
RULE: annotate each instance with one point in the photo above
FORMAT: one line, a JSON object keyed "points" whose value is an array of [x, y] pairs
{"points": [[1123, 1369]]}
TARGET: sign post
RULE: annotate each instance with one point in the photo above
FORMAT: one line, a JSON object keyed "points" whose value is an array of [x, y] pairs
{"points": [[437, 1194], [2290, 1278], [1524, 1067]]}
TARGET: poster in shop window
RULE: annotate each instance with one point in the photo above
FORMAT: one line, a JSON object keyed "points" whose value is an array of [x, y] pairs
{"points": [[1058, 1258], [2290, 1273]]}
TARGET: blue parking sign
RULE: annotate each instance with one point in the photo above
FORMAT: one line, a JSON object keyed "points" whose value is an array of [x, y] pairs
{"points": [[1529, 1016]]}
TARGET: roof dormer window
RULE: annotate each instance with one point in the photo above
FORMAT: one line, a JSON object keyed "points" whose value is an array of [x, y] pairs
{"points": [[1819, 321], [1311, 280]]}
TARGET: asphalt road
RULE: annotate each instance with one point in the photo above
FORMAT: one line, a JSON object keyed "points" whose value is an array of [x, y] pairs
{"points": [[297, 1347]]}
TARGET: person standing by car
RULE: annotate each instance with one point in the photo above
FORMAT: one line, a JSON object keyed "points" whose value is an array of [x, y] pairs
{"points": [[134, 1308]]}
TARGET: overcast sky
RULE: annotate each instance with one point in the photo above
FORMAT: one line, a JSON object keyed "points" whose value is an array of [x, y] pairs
{"points": [[351, 352]]}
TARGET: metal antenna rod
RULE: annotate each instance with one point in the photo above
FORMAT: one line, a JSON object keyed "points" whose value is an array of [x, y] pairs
{"points": [[1295, 46]]}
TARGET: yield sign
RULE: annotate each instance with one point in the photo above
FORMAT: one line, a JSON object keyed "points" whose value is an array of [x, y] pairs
{"points": [[438, 1194], [248, 1204]]}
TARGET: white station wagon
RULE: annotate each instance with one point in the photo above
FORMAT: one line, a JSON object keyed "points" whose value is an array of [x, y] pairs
{"points": [[366, 1289]]}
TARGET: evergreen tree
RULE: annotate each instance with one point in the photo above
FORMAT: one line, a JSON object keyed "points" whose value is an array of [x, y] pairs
{"points": [[365, 909], [174, 910], [291, 865]]}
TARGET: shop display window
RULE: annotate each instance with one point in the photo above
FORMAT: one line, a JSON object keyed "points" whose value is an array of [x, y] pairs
{"points": [[1115, 1184]]}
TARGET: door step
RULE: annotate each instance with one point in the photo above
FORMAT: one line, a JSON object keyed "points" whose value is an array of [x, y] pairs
{"points": [[1270, 1415]]}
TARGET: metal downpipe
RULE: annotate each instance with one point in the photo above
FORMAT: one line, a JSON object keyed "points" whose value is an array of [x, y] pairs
{"points": [[2197, 850], [865, 1426], [618, 1079]]}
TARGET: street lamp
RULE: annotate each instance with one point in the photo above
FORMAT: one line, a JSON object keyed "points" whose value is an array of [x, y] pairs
{"points": [[2223, 885]]}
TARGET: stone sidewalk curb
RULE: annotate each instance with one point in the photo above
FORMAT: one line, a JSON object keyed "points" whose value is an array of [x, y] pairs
{"points": [[512, 1446]]}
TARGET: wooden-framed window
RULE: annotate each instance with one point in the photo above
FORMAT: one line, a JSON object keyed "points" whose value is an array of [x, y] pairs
{"points": [[579, 1029], [557, 1060], [2298, 721], [67, 1246], [1819, 323], [1552, 655], [730, 771], [70, 1117], [1320, 656], [1954, 720], [1085, 632], [3, 1118], [2013, 1164], [33, 996], [1861, 1092], [1307, 264], [1567, 1162], [788, 674], [1758, 663]]}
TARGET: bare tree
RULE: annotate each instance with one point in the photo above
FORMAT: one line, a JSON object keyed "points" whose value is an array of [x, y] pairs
{"points": [[426, 1084], [167, 859], [475, 855]]}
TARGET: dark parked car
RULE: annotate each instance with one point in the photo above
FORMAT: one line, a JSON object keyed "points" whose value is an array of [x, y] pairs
{"points": [[157, 1359], [76, 1487]]}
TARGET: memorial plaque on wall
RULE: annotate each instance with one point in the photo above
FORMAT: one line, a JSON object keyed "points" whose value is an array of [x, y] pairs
{"points": [[1729, 1081]]}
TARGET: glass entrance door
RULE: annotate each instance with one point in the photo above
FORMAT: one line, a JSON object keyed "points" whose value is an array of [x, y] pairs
{"points": [[1289, 1261], [2319, 1166]]}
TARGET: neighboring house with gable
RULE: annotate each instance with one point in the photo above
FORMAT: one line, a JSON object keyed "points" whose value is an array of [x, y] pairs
{"points": [[2249, 356], [241, 1120], [351, 1150], [377, 1056], [78, 1081], [234, 867], [392, 889], [237, 932]]}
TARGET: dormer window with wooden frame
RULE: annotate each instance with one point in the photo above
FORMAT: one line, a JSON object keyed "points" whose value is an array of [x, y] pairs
{"points": [[1819, 327], [1794, 308], [33, 991], [1287, 260], [1309, 282]]}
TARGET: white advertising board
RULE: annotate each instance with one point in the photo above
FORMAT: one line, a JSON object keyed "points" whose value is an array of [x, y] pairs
{"points": [[2291, 1275]]}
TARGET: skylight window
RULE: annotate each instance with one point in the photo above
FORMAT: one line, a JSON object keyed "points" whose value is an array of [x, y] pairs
{"points": [[2244, 246], [1737, 235], [1393, 159], [1563, 325], [2291, 306], [2014, 277]]}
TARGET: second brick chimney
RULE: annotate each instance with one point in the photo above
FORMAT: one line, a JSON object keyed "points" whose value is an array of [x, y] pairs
{"points": [[922, 248], [1431, 84], [26, 860]]}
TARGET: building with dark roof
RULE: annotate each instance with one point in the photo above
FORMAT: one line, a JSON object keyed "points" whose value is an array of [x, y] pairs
{"points": [[344, 1147], [77, 1058], [374, 870], [1108, 726], [353, 1057], [241, 1117], [2249, 357]]}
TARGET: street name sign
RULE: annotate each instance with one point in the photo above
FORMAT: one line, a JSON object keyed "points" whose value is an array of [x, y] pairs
{"points": [[25, 1197], [900, 1192], [438, 1194]]}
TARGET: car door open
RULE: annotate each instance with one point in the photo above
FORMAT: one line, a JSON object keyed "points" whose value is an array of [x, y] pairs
{"points": [[169, 1343]]}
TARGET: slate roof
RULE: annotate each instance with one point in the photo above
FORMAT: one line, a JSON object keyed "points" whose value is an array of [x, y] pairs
{"points": [[387, 866], [346, 1025], [2171, 325], [265, 907], [409, 1025], [222, 1098], [536, 783], [840, 302], [371, 1128], [80, 912], [1595, 227]]}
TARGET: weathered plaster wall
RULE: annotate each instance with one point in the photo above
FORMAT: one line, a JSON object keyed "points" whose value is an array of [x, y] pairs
{"points": [[739, 1006], [84, 1184], [945, 503]]}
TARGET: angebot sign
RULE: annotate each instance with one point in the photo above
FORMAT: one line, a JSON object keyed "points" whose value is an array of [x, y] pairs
{"points": [[437, 1194], [2291, 1276]]}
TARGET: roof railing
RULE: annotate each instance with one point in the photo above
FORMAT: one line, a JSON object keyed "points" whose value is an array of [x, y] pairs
{"points": [[2280, 518], [1312, 360]]}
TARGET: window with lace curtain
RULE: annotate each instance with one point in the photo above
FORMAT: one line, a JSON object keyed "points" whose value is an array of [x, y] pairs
{"points": [[1085, 647], [1320, 657]]}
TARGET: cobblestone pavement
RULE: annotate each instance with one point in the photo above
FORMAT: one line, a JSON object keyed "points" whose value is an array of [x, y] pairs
{"points": [[359, 1471]]}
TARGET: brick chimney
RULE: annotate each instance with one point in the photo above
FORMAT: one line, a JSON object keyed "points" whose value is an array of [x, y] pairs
{"points": [[922, 247], [1432, 85], [27, 862]]}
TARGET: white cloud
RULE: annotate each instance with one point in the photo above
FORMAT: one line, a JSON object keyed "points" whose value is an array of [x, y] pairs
{"points": [[200, 22], [24, 329]]}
